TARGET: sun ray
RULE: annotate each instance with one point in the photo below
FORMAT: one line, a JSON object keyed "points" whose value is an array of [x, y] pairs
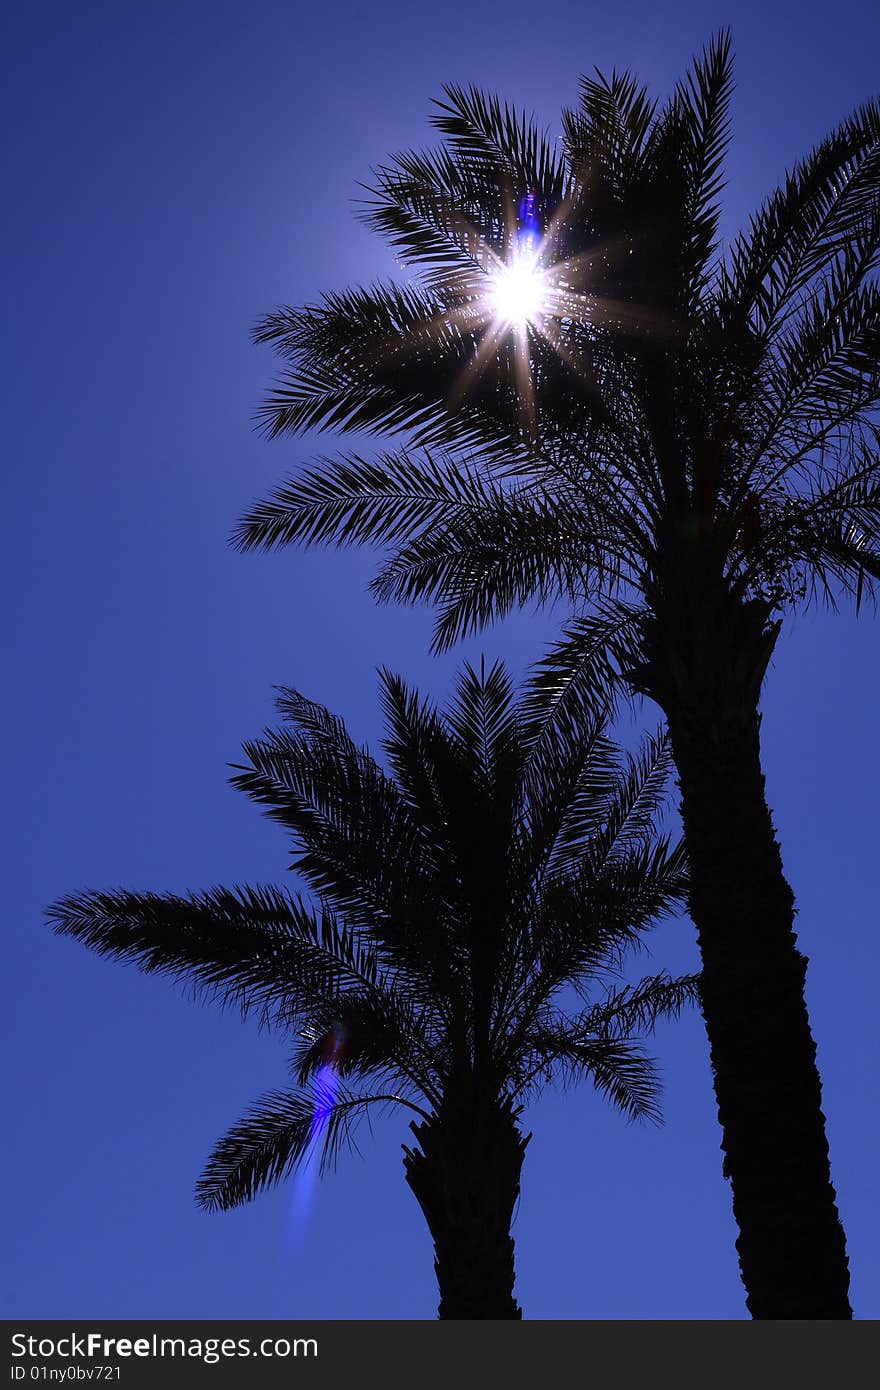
{"points": [[508, 299]]}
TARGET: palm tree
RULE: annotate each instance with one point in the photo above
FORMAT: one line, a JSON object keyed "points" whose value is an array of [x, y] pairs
{"points": [[468, 902], [603, 407]]}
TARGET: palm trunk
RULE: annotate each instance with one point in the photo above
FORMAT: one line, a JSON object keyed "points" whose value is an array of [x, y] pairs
{"points": [[791, 1246], [465, 1175]]}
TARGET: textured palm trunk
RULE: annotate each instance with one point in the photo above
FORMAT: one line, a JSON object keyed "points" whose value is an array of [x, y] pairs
{"points": [[465, 1174], [707, 674]]}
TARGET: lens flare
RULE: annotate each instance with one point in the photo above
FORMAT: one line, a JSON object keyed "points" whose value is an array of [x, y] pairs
{"points": [[326, 1086]]}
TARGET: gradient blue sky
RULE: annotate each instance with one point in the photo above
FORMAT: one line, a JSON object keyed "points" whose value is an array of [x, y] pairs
{"points": [[171, 171]]}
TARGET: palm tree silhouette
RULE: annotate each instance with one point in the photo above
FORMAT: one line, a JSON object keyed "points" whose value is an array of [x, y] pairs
{"points": [[678, 443], [470, 903]]}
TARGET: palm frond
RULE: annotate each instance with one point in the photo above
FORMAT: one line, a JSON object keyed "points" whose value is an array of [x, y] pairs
{"points": [[515, 548], [830, 532], [703, 109], [803, 226], [825, 363], [259, 949], [638, 798], [417, 747], [637, 1009], [451, 211], [275, 1137], [618, 1069], [357, 501], [360, 361], [583, 676], [479, 129], [569, 781], [359, 846], [482, 716], [607, 135]]}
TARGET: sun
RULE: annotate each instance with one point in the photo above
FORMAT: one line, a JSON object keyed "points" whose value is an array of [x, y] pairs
{"points": [[522, 297], [519, 292]]}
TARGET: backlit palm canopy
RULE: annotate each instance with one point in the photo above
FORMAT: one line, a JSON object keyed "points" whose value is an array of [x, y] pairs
{"points": [[475, 903], [643, 393]]}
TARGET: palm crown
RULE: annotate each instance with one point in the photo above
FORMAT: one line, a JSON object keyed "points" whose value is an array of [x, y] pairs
{"points": [[469, 899], [668, 407]]}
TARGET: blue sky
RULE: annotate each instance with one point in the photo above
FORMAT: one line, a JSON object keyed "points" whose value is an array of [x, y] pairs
{"points": [[172, 170]]}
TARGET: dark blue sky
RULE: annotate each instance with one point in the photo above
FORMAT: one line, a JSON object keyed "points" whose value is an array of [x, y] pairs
{"points": [[171, 171]]}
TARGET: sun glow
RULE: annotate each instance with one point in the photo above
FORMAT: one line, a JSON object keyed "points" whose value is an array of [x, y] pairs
{"points": [[523, 300], [519, 292]]}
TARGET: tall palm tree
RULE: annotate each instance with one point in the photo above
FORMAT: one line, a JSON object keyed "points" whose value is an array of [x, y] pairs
{"points": [[603, 406], [470, 900]]}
